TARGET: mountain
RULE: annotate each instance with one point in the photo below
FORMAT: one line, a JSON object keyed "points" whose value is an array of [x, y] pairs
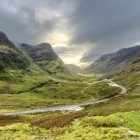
{"points": [[15, 65], [44, 56], [129, 76], [114, 63], [73, 68], [130, 71], [28, 59], [10, 56], [132, 67], [5, 41]]}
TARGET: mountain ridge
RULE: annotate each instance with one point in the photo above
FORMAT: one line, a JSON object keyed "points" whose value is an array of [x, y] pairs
{"points": [[45, 57], [16, 61], [114, 62], [10, 56]]}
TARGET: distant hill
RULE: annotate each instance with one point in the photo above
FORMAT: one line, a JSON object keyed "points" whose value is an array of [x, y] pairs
{"points": [[44, 56], [116, 62], [73, 68]]}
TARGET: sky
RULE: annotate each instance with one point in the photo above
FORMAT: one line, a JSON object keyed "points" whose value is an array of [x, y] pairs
{"points": [[80, 31]]}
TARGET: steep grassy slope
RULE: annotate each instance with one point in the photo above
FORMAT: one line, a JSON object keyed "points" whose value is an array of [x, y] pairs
{"points": [[130, 76], [115, 62], [23, 71], [11, 59], [17, 71], [44, 56], [10, 56]]}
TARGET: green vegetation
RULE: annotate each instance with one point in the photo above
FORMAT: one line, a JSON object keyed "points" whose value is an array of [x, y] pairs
{"points": [[12, 58], [39, 79], [40, 92], [21, 132], [111, 127], [110, 64], [101, 121], [78, 125], [110, 120], [44, 56]]}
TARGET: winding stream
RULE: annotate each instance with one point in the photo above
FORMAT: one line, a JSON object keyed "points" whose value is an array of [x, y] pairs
{"points": [[75, 107]]}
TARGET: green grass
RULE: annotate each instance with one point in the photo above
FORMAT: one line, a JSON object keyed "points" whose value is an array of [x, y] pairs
{"points": [[50, 93], [22, 132], [27, 83], [127, 119], [110, 120], [121, 103], [79, 126], [98, 127], [69, 126]]}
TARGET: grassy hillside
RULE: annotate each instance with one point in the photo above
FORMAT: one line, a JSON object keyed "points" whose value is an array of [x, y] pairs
{"points": [[25, 85], [115, 119], [11, 58], [17, 71], [44, 56], [110, 64], [129, 76]]}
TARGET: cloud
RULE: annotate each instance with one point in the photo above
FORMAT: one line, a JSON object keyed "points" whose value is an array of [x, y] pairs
{"points": [[29, 21], [109, 24], [61, 50], [87, 28]]}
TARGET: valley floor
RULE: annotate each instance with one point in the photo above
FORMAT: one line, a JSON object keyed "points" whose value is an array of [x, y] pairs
{"points": [[118, 118]]}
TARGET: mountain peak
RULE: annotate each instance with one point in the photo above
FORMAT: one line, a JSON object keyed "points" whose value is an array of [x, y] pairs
{"points": [[44, 56], [42, 45], [10, 56], [4, 40], [45, 45]]}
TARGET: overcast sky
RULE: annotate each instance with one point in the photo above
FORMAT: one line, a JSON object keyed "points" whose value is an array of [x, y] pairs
{"points": [[79, 30]]}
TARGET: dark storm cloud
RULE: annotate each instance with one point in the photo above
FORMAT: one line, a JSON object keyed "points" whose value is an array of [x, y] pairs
{"points": [[107, 24], [93, 26], [22, 26], [21, 22]]}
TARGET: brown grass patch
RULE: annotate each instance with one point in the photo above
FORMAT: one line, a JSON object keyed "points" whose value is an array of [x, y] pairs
{"points": [[102, 123], [6, 120], [59, 121]]}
